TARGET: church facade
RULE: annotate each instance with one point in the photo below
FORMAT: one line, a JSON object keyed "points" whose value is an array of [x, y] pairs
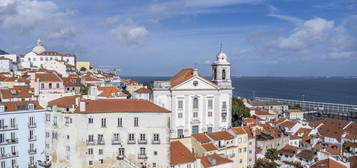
{"points": [[197, 104]]}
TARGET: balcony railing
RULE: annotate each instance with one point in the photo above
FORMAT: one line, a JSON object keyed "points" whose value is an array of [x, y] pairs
{"points": [[116, 141], [155, 141], [32, 138], [9, 128], [31, 125], [9, 155], [10, 141], [142, 141], [90, 142], [32, 151], [142, 156], [131, 141]]}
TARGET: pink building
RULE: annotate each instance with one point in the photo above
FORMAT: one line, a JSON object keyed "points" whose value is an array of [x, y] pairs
{"points": [[46, 83]]}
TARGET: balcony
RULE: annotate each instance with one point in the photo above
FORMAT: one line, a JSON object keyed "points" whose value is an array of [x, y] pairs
{"points": [[142, 141], [142, 156], [120, 157], [9, 155], [101, 142], [32, 151], [90, 142], [45, 164], [32, 138], [9, 128], [131, 141], [31, 125], [155, 141], [116, 141], [10, 141]]}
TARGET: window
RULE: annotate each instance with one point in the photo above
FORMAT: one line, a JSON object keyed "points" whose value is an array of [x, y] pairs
{"points": [[101, 161], [142, 137], [223, 74], [90, 138], [121, 151], [116, 136], [48, 117], [42, 85], [90, 151], [142, 151], [156, 137], [90, 163], [50, 85], [100, 151], [12, 123], [210, 114], [68, 148], [57, 85], [100, 138], [210, 104], [104, 123], [179, 115], [180, 133], [2, 123], [195, 129], [31, 121], [155, 153], [131, 137], [90, 120], [136, 122], [120, 122], [209, 129], [195, 103], [13, 136], [195, 114], [180, 104], [2, 137]]}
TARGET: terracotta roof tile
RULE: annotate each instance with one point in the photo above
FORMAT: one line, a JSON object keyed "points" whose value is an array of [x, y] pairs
{"points": [[48, 77], [218, 160], [287, 124], [327, 163], [201, 137], [180, 154], [220, 135], [239, 130], [17, 92], [109, 91], [142, 90], [20, 105], [209, 147]]}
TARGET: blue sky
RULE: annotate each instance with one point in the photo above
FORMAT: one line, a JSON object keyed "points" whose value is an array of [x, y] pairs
{"points": [[160, 37]]}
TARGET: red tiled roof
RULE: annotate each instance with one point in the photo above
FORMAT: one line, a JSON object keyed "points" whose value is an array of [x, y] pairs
{"points": [[48, 77], [67, 101], [16, 105], [109, 91], [201, 137], [288, 124], [259, 111], [209, 147], [183, 76], [239, 130], [180, 154], [17, 92], [142, 90], [218, 160], [220, 135], [327, 163]]}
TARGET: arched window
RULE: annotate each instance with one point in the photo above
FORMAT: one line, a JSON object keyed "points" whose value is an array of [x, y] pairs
{"points": [[223, 74], [42, 85], [214, 73], [50, 85], [195, 103], [57, 85]]}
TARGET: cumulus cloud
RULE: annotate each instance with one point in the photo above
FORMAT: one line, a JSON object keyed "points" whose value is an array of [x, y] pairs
{"points": [[129, 34], [27, 13], [63, 33]]}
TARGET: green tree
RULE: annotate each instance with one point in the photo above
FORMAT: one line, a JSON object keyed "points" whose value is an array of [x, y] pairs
{"points": [[265, 163], [239, 111], [272, 154], [298, 165], [84, 90], [83, 69]]}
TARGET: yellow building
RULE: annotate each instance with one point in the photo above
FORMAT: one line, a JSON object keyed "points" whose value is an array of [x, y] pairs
{"points": [[82, 64], [241, 158]]}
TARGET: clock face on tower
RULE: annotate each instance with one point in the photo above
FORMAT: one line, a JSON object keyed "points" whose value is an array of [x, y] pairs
{"points": [[195, 83]]}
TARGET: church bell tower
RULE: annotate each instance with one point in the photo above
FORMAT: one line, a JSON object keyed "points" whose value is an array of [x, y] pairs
{"points": [[221, 71]]}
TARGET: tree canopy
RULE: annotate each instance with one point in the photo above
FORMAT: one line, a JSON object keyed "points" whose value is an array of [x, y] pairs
{"points": [[265, 163], [272, 154], [239, 111]]}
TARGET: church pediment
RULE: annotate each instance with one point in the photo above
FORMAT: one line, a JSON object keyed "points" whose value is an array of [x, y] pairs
{"points": [[196, 82]]}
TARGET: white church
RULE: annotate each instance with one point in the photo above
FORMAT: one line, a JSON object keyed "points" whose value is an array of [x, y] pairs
{"points": [[197, 104]]}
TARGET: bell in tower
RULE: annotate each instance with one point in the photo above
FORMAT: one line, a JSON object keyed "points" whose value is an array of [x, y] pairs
{"points": [[221, 71]]}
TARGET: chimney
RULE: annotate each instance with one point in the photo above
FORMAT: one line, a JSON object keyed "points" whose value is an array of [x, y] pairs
{"points": [[82, 106], [195, 72], [77, 100]]}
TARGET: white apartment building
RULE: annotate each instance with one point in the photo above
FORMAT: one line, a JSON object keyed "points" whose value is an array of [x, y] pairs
{"points": [[197, 104], [107, 133], [39, 55], [22, 134]]}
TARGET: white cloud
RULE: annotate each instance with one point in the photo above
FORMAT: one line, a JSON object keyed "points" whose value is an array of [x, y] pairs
{"points": [[129, 34], [27, 13], [310, 33], [217, 3], [63, 33], [273, 12]]}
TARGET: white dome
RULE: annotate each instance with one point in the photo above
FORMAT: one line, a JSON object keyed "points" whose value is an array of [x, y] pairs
{"points": [[38, 48], [221, 58]]}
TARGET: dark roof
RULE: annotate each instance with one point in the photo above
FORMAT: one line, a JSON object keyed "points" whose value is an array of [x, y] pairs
{"points": [[2, 52]]}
